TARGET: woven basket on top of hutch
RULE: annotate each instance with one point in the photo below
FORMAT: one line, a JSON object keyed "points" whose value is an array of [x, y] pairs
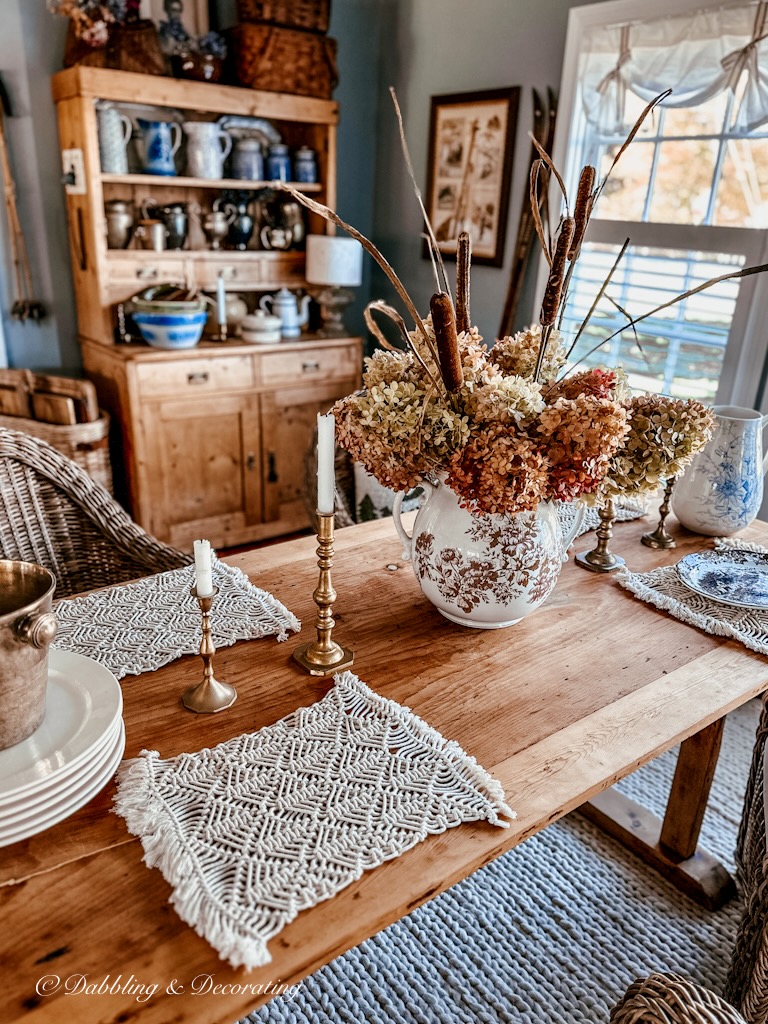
{"points": [[212, 439]]}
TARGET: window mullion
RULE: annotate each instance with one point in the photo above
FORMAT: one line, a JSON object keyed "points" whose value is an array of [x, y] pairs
{"points": [[654, 165]]}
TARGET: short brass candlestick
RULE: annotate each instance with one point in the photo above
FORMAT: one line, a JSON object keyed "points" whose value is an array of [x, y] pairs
{"points": [[210, 695], [323, 657], [660, 538], [600, 559]]}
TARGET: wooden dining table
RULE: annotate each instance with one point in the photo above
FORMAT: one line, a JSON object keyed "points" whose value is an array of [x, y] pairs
{"points": [[586, 689]]}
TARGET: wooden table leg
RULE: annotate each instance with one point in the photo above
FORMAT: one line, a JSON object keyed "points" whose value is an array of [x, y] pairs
{"points": [[670, 846]]}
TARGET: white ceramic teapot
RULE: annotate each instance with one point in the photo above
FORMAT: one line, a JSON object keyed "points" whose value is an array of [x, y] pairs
{"points": [[293, 312]]}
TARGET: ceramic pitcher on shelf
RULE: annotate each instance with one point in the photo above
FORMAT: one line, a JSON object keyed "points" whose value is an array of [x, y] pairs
{"points": [[722, 489], [208, 146], [293, 313], [114, 133], [161, 141]]}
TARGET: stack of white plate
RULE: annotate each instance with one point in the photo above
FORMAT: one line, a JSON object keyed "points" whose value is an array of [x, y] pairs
{"points": [[71, 756]]}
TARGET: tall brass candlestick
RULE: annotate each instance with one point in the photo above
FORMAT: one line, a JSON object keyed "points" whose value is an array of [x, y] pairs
{"points": [[660, 538], [209, 695], [323, 657], [600, 559]]}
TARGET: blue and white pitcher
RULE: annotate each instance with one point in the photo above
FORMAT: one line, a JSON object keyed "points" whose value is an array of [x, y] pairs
{"points": [[722, 489], [161, 140]]}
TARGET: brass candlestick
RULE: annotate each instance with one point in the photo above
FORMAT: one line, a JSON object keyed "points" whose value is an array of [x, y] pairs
{"points": [[209, 695], [600, 559], [323, 657], [660, 538]]}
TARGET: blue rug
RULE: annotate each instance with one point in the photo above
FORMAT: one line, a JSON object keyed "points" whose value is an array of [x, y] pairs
{"points": [[553, 931]]}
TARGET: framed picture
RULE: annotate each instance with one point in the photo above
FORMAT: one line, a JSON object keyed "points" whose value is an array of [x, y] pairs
{"points": [[191, 14], [471, 146]]}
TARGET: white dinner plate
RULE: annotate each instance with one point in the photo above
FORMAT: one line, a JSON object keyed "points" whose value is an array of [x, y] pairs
{"points": [[63, 787], [730, 576], [82, 704], [88, 790]]}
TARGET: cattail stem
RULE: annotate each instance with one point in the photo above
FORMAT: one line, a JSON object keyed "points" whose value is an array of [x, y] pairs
{"points": [[553, 291], [463, 260], [446, 339], [582, 210]]}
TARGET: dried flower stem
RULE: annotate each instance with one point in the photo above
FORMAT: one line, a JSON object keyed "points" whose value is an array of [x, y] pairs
{"points": [[533, 182], [463, 260], [437, 259], [327, 214], [444, 324], [596, 300], [383, 307]]}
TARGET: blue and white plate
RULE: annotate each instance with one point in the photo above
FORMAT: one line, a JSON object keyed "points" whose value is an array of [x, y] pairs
{"points": [[738, 578]]}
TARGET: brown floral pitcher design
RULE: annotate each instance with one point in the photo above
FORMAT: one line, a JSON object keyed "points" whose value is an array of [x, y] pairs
{"points": [[485, 571]]}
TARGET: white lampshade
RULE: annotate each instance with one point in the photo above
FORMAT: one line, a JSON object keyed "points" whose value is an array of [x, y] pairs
{"points": [[333, 260]]}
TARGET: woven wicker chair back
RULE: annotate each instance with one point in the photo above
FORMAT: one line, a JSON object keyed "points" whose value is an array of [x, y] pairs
{"points": [[54, 514]]}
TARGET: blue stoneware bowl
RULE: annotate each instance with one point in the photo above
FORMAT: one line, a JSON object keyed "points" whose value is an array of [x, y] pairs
{"points": [[171, 330]]}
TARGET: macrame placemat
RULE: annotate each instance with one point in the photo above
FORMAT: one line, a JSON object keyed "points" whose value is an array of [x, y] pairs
{"points": [[263, 826], [141, 626], [664, 589]]}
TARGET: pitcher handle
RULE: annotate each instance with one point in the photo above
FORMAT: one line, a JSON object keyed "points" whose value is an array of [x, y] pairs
{"points": [[176, 133], [405, 537], [227, 148], [127, 128], [570, 537]]}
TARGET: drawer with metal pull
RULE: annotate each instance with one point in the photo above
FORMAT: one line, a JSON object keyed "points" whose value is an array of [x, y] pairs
{"points": [[298, 367], [137, 272], [187, 377]]}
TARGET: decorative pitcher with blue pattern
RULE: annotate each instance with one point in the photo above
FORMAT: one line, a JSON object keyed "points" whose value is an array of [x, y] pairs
{"points": [[722, 489]]}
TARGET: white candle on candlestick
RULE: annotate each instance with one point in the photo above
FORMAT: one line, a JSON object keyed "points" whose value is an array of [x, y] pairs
{"points": [[203, 570], [326, 451], [221, 302]]}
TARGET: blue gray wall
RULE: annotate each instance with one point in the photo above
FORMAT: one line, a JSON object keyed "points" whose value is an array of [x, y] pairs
{"points": [[421, 47]]}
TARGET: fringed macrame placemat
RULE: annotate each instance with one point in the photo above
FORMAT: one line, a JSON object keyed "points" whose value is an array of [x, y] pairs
{"points": [[664, 589], [263, 826], [626, 509], [141, 626]]}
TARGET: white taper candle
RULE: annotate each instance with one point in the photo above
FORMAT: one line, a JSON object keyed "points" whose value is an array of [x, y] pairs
{"points": [[326, 451], [221, 302], [203, 570]]}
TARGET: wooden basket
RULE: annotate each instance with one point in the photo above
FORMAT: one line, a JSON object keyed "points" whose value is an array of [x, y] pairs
{"points": [[134, 46], [284, 60], [313, 15], [87, 444]]}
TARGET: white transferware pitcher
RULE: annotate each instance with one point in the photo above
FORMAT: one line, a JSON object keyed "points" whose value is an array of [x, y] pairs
{"points": [[722, 489], [293, 312], [486, 571], [208, 146]]}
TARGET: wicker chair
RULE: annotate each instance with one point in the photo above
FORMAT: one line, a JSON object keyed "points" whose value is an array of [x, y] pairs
{"points": [[670, 999], [54, 514]]}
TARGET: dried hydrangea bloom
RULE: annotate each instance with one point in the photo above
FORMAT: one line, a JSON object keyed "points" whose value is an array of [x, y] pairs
{"points": [[499, 470], [505, 399], [664, 435], [399, 431], [599, 381], [516, 355], [579, 436], [385, 367]]}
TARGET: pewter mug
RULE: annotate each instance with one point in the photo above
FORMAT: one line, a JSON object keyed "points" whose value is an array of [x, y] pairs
{"points": [[119, 215], [27, 627], [722, 489]]}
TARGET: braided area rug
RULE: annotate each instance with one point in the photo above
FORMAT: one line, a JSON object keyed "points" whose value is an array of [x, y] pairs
{"points": [[550, 933]]}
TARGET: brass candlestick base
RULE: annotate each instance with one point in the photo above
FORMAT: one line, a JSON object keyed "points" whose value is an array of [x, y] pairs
{"points": [[600, 559], [323, 657], [208, 696], [660, 538]]}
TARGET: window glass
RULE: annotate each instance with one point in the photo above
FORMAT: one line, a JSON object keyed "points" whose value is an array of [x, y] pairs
{"points": [[742, 194], [683, 182]]}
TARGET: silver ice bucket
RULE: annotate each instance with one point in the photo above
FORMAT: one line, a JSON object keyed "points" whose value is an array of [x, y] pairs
{"points": [[27, 627]]}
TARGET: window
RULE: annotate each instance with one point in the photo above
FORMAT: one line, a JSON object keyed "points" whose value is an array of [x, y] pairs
{"points": [[690, 192]]}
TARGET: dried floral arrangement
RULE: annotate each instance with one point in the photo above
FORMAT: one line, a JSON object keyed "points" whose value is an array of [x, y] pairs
{"points": [[513, 425], [91, 18]]}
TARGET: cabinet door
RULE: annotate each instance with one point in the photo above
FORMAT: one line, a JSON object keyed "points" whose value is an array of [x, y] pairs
{"points": [[288, 419], [204, 471]]}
